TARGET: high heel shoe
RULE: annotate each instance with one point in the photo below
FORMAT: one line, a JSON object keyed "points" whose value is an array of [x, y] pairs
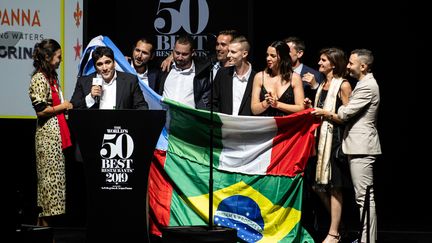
{"points": [[331, 238]]}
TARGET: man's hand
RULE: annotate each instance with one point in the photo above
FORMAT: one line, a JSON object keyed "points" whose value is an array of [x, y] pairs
{"points": [[166, 64]]}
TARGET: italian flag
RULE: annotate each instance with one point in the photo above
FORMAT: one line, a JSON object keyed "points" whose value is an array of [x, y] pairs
{"points": [[257, 173]]}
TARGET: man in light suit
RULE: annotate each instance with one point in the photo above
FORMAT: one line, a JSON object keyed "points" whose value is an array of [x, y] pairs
{"points": [[232, 87], [361, 142], [116, 90]]}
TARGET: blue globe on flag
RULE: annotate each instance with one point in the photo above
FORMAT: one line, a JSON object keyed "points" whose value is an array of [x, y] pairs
{"points": [[243, 214]]}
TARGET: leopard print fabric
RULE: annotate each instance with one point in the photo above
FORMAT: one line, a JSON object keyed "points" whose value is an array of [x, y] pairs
{"points": [[50, 160]]}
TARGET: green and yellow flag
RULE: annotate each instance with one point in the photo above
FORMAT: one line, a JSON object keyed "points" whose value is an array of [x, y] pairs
{"points": [[257, 172]]}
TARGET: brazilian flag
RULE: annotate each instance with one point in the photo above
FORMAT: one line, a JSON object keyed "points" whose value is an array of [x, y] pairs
{"points": [[257, 180]]}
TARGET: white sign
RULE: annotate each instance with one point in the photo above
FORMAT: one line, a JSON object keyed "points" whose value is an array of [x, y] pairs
{"points": [[24, 23]]}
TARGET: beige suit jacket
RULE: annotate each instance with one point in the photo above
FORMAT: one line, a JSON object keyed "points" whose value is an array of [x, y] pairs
{"points": [[361, 135]]}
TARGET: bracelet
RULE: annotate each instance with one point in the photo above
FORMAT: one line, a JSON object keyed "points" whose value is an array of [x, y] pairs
{"points": [[54, 111]]}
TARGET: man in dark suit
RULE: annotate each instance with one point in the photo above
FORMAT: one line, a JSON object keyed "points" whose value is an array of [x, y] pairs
{"points": [[142, 62], [233, 85], [297, 48], [107, 88], [188, 81]]}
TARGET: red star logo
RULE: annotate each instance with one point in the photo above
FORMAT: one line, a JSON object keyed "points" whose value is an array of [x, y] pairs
{"points": [[77, 48], [77, 15]]}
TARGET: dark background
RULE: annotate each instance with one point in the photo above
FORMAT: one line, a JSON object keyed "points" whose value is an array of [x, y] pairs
{"points": [[394, 32]]}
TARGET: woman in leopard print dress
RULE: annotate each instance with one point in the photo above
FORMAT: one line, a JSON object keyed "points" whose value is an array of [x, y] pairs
{"points": [[52, 134]]}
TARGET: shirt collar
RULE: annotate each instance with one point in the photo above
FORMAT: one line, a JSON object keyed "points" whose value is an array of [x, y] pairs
{"points": [[217, 66], [245, 77], [298, 68], [144, 74], [185, 71]]}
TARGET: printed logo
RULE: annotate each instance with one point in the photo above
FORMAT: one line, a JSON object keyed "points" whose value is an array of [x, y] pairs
{"points": [[174, 15], [77, 15], [77, 48], [116, 149], [20, 17]]}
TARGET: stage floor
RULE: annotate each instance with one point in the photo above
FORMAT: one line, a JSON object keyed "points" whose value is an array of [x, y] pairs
{"points": [[77, 235]]}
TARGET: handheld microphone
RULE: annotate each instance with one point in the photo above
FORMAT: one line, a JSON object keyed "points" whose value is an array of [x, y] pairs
{"points": [[97, 81]]}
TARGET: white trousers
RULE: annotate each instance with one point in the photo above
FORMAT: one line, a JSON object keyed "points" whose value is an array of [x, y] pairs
{"points": [[361, 168]]}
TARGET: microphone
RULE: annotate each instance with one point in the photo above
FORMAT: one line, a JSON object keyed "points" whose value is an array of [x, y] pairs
{"points": [[97, 81]]}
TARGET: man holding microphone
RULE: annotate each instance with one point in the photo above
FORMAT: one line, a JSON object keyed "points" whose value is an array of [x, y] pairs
{"points": [[107, 88]]}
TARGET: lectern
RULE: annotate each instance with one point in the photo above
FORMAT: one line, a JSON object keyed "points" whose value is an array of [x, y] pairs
{"points": [[117, 147]]}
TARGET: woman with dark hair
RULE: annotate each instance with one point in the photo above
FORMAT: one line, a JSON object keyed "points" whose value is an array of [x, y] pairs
{"points": [[52, 132], [331, 167], [277, 91]]}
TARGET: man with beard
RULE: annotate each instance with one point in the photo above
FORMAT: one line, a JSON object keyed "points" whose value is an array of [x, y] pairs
{"points": [[219, 59], [361, 141], [141, 60], [188, 80]]}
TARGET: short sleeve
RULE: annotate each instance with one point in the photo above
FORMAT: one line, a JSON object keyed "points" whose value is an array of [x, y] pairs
{"points": [[39, 92]]}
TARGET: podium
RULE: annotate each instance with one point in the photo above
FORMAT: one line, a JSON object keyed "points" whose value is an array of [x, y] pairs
{"points": [[117, 147]]}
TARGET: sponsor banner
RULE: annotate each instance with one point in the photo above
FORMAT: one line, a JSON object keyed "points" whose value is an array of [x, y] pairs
{"points": [[23, 24]]}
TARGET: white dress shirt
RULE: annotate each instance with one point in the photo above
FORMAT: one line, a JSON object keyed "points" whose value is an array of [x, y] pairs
{"points": [[239, 87], [143, 76], [298, 69], [215, 69], [108, 97], [179, 85]]}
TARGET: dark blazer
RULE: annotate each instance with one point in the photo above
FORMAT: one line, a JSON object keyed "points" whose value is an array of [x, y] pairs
{"points": [[128, 94], [153, 78], [308, 91], [152, 74], [223, 93], [201, 84]]}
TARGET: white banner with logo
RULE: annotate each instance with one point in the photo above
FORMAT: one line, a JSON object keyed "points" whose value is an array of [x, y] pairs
{"points": [[24, 23]]}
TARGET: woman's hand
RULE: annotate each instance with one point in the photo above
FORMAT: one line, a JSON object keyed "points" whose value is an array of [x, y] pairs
{"points": [[67, 105], [318, 112], [271, 99], [307, 103]]}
